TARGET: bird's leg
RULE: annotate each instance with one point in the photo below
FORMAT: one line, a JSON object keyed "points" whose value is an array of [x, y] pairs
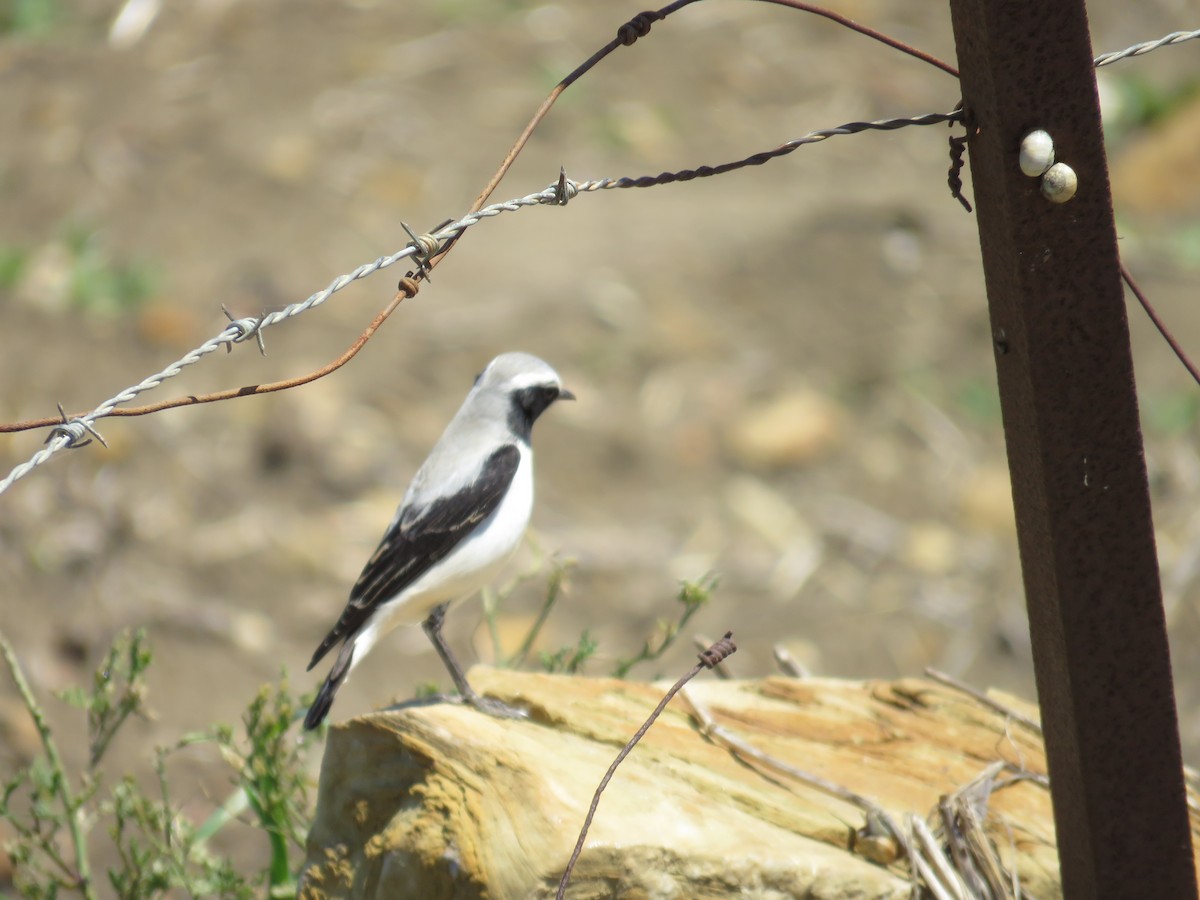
{"points": [[433, 627]]}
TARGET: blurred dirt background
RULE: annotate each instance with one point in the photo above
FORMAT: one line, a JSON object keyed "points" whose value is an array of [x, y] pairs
{"points": [[785, 374]]}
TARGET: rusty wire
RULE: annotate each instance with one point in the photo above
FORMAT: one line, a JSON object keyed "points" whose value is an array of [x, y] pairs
{"points": [[710, 658], [71, 432]]}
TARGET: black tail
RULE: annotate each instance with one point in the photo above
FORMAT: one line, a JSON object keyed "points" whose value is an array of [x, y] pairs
{"points": [[337, 675]]}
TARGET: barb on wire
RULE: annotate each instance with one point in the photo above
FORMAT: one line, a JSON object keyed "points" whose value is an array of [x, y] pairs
{"points": [[235, 332], [709, 659], [1175, 37], [565, 190], [249, 327], [239, 330], [958, 147], [425, 247], [73, 431], [429, 250], [639, 26], [406, 290], [421, 247]]}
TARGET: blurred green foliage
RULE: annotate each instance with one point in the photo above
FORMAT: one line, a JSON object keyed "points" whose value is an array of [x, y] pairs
{"points": [[28, 18], [98, 283], [1172, 413], [1138, 102], [51, 810], [13, 261]]}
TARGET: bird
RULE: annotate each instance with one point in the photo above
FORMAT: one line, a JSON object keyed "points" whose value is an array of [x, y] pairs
{"points": [[461, 519]]}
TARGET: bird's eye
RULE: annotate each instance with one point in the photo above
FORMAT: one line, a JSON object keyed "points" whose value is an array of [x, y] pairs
{"points": [[549, 393]]}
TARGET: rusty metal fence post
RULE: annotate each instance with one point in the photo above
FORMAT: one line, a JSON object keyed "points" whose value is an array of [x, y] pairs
{"points": [[1075, 453]]}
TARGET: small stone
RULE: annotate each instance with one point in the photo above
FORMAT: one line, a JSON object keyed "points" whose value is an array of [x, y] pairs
{"points": [[289, 158], [985, 499], [251, 631], [789, 429], [930, 548]]}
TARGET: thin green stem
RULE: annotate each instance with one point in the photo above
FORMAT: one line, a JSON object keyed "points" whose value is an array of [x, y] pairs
{"points": [[491, 604], [557, 577], [62, 785]]}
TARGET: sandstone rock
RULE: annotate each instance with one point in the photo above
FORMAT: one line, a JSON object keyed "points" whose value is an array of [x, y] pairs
{"points": [[440, 801]]}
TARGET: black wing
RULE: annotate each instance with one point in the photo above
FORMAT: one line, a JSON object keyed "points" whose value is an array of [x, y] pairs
{"points": [[410, 549]]}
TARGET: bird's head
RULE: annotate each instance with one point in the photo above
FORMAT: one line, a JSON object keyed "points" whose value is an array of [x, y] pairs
{"points": [[526, 385]]}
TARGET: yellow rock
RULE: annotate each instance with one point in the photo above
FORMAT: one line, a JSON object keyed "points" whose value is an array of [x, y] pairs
{"points": [[441, 801]]}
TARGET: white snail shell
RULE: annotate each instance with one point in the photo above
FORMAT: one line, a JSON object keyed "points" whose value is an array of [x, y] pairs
{"points": [[1059, 183], [1037, 153]]}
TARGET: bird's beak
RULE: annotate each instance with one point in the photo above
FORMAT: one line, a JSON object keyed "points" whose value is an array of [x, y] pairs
{"points": [[564, 394]]}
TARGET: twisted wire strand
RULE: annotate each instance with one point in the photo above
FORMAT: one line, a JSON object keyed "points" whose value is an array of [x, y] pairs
{"points": [[75, 432], [757, 159], [1175, 37]]}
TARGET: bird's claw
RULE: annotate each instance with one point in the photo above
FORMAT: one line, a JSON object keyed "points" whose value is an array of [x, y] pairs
{"points": [[496, 708]]}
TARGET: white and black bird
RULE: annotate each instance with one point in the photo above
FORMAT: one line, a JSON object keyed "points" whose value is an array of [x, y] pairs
{"points": [[461, 519]]}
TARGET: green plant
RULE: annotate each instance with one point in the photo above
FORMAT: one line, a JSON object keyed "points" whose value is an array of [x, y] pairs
{"points": [[13, 261], [556, 584], [271, 774], [98, 283], [692, 595], [979, 399], [160, 850], [1171, 412], [52, 810], [1139, 102], [28, 17], [570, 659]]}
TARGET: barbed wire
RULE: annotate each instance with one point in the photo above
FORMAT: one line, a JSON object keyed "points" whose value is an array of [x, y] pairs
{"points": [[1175, 37], [757, 159], [73, 432], [78, 431]]}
